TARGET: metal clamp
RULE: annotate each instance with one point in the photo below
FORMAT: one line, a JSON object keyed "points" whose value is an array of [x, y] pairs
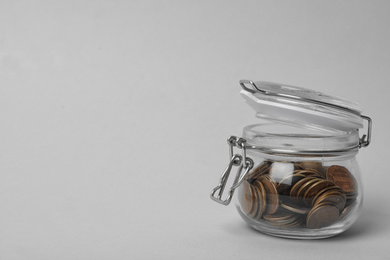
{"points": [[254, 88], [234, 141], [242, 162], [366, 138]]}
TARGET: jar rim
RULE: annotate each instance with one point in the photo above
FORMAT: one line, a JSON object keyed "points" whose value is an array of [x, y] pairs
{"points": [[276, 138]]}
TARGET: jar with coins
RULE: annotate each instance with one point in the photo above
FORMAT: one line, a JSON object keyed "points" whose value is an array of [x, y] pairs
{"points": [[296, 173]]}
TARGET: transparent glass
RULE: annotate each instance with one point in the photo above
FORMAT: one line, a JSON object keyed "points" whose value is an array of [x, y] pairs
{"points": [[300, 191]]}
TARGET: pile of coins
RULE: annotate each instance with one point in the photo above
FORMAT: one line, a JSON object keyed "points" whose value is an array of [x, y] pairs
{"points": [[300, 194]]}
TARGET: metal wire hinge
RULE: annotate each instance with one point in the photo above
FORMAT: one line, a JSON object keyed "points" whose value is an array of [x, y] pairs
{"points": [[366, 139], [242, 162]]}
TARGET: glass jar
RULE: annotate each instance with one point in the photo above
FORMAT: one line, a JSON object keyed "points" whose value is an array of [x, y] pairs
{"points": [[297, 173]]}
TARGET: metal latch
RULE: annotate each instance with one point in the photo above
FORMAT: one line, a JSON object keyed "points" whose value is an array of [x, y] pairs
{"points": [[240, 161], [366, 139]]}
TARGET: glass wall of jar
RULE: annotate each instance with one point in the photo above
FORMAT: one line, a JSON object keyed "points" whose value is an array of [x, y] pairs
{"points": [[305, 183]]}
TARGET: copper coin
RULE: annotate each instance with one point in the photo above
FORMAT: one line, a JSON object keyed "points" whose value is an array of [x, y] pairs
{"points": [[352, 195], [315, 165], [255, 203], [283, 221], [310, 172], [350, 201], [294, 208], [289, 223], [262, 199], [297, 166], [315, 188], [306, 186], [347, 210], [342, 178], [298, 185], [322, 215], [272, 196], [268, 177], [298, 222], [279, 216], [327, 189], [291, 179], [285, 184], [335, 197], [247, 198], [295, 224]]}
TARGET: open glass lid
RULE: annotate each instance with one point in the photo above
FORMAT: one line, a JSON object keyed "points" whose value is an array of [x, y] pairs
{"points": [[301, 107]]}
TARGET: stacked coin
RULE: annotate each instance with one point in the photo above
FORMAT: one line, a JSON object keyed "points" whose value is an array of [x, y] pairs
{"points": [[345, 180], [298, 194]]}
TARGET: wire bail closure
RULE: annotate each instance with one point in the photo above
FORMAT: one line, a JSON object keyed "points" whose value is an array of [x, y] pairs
{"points": [[240, 161], [366, 139]]}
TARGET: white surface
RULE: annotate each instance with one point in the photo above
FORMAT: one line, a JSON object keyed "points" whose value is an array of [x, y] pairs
{"points": [[111, 138]]}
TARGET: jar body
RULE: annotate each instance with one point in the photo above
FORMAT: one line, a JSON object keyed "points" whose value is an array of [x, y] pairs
{"points": [[307, 196]]}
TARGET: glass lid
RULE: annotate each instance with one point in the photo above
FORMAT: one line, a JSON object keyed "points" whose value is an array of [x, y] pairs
{"points": [[301, 107]]}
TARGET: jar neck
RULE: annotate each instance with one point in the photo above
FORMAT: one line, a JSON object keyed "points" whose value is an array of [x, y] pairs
{"points": [[275, 138]]}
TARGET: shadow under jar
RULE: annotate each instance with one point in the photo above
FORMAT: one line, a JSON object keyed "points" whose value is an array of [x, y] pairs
{"points": [[296, 180]]}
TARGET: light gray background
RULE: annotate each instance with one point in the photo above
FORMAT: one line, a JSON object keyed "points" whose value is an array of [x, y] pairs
{"points": [[114, 118]]}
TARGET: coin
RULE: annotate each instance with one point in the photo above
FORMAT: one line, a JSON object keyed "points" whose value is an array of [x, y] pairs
{"points": [[347, 210], [306, 186], [291, 179], [247, 198], [262, 199], [294, 208], [315, 165], [310, 172], [281, 220], [290, 223], [298, 185], [314, 189], [322, 215], [285, 184], [272, 195], [342, 178], [349, 201], [298, 194], [268, 177], [297, 166], [352, 196], [330, 188], [255, 203], [280, 216], [294, 224], [335, 197]]}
